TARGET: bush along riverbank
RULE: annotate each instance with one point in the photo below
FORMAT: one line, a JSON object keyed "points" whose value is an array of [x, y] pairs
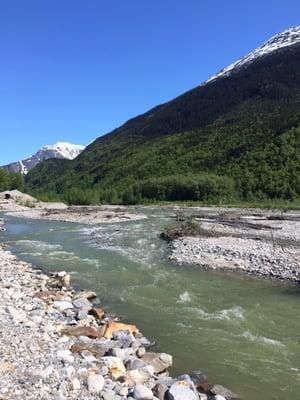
{"points": [[57, 343]]}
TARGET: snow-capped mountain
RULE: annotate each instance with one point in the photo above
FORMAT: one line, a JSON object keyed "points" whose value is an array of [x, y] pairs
{"points": [[57, 150], [279, 41]]}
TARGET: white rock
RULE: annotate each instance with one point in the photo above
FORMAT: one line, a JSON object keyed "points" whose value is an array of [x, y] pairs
{"points": [[17, 315], [49, 371], [141, 352], [70, 371], [95, 383], [141, 392], [181, 390], [65, 355], [75, 384], [202, 396], [62, 305]]}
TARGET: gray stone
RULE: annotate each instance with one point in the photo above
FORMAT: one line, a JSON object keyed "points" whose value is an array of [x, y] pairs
{"points": [[141, 375], [110, 396], [141, 392], [62, 305], [222, 391], [159, 361], [83, 303], [198, 378], [135, 363], [82, 313], [104, 370], [119, 353], [125, 337]]}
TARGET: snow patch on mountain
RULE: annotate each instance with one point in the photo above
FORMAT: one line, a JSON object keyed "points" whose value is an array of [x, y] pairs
{"points": [[64, 149], [281, 40], [61, 150]]}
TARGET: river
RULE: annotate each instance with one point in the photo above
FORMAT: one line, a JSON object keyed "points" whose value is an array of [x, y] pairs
{"points": [[243, 332]]}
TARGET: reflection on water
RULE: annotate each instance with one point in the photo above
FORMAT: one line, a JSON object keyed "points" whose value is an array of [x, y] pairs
{"points": [[243, 332]]}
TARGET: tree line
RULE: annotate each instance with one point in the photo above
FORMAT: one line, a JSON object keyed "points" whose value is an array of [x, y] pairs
{"points": [[11, 180]]}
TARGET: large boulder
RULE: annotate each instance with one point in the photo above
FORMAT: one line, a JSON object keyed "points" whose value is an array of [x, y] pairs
{"points": [[222, 391], [82, 303]]}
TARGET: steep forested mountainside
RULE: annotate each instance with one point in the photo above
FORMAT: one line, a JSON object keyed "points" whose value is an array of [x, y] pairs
{"points": [[243, 125]]}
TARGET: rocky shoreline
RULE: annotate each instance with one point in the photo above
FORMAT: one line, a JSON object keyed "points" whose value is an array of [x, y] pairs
{"points": [[57, 343]]}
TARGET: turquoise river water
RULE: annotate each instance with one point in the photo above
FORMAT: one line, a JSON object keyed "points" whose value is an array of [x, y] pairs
{"points": [[243, 332]]}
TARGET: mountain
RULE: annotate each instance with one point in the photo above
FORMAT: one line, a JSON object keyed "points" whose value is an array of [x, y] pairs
{"points": [[60, 150], [287, 38], [235, 135]]}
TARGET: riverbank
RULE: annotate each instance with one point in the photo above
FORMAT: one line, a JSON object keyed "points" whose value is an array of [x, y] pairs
{"points": [[263, 243], [22, 205], [57, 343]]}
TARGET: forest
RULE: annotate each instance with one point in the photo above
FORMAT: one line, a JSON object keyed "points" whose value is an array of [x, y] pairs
{"points": [[11, 181]]}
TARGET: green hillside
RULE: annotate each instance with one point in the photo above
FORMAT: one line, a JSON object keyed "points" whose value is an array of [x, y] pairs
{"points": [[237, 137]]}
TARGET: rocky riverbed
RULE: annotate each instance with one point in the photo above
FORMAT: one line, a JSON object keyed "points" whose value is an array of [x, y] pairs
{"points": [[264, 243], [58, 343], [238, 254]]}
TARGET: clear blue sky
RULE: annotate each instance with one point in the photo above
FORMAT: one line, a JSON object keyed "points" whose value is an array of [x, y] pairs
{"points": [[73, 70]]}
